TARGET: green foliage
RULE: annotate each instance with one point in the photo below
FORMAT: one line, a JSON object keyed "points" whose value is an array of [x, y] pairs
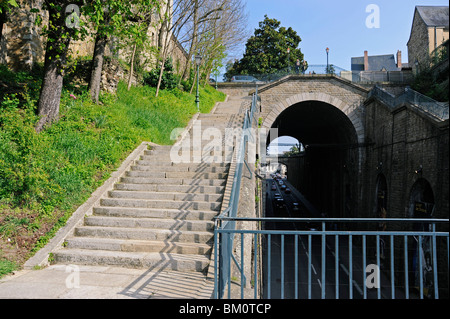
{"points": [[7, 267], [5, 5], [46, 176], [169, 79], [435, 86], [11, 224], [266, 51]]}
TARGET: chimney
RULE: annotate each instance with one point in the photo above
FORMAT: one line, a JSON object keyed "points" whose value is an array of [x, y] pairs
{"points": [[366, 61], [399, 59]]}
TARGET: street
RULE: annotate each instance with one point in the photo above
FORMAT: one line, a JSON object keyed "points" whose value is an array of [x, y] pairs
{"points": [[302, 277]]}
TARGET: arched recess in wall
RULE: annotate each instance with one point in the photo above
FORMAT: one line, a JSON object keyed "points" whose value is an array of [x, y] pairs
{"points": [[421, 200], [421, 205]]}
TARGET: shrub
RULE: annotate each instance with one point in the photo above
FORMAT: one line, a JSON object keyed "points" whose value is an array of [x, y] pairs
{"points": [[169, 79]]}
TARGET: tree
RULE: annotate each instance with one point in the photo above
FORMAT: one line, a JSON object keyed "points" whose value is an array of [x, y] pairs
{"points": [[112, 17], [5, 7], [266, 52], [64, 25], [213, 30]]}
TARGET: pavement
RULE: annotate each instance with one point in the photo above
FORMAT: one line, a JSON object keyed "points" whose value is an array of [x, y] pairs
{"points": [[103, 282]]}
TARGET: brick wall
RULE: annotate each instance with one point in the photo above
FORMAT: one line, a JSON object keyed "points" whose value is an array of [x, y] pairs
{"points": [[403, 139]]}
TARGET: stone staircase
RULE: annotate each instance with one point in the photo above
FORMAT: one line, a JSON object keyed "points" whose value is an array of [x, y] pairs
{"points": [[159, 215]]}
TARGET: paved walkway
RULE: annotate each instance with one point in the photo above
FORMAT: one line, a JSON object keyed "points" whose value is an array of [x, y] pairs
{"points": [[89, 282]]}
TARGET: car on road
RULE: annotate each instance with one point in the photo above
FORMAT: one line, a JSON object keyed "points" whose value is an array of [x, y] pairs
{"points": [[295, 207], [274, 188], [283, 187], [287, 190], [279, 203], [277, 195]]}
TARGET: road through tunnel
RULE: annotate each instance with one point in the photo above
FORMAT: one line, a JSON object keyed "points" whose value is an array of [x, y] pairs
{"points": [[328, 172]]}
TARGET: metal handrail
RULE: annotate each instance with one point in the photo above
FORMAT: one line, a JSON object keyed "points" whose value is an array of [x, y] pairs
{"points": [[434, 108], [222, 222]]}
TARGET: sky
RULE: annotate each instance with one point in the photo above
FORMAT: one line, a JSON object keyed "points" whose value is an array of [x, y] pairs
{"points": [[341, 26]]}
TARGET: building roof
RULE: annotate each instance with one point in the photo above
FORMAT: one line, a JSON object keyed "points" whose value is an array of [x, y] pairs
{"points": [[384, 62], [434, 16]]}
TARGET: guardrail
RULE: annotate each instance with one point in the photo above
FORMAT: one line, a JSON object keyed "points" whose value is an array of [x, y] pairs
{"points": [[434, 108], [223, 251], [403, 262], [366, 77]]}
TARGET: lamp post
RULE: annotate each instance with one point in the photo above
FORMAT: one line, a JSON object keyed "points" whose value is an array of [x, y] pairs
{"points": [[289, 62], [328, 68], [198, 60]]}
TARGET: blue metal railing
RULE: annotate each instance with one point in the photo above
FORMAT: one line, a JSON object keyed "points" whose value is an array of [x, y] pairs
{"points": [[366, 77], [223, 249], [403, 262], [434, 108]]}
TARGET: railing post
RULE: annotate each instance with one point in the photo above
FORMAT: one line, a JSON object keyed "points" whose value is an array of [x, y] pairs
{"points": [[323, 259]]}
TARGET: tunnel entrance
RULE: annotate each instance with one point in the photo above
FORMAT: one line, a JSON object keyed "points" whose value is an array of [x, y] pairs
{"points": [[328, 171]]}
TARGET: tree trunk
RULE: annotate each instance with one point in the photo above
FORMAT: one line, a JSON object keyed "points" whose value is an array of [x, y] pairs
{"points": [[55, 62], [2, 21], [131, 67], [97, 66], [193, 82], [193, 43], [160, 77]]}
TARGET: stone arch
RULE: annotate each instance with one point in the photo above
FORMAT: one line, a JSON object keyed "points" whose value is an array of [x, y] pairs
{"points": [[348, 110]]}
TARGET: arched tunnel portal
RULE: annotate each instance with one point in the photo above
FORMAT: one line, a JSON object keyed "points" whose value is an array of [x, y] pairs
{"points": [[327, 173]]}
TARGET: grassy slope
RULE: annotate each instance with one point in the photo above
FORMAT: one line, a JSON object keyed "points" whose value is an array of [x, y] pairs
{"points": [[45, 177]]}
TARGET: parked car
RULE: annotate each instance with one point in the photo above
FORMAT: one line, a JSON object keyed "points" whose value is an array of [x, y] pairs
{"points": [[243, 78]]}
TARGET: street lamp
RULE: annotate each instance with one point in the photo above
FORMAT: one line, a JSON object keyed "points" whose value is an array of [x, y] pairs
{"points": [[289, 62], [198, 60], [328, 68]]}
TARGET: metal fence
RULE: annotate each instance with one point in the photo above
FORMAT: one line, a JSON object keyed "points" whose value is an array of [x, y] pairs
{"points": [[337, 258], [437, 109], [366, 77]]}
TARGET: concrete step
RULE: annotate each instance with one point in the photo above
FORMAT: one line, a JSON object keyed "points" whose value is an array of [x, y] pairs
{"points": [[129, 245], [158, 223], [189, 236], [189, 189], [173, 181], [189, 166], [165, 196], [155, 213], [190, 175], [179, 168], [141, 203], [187, 154], [152, 261]]}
